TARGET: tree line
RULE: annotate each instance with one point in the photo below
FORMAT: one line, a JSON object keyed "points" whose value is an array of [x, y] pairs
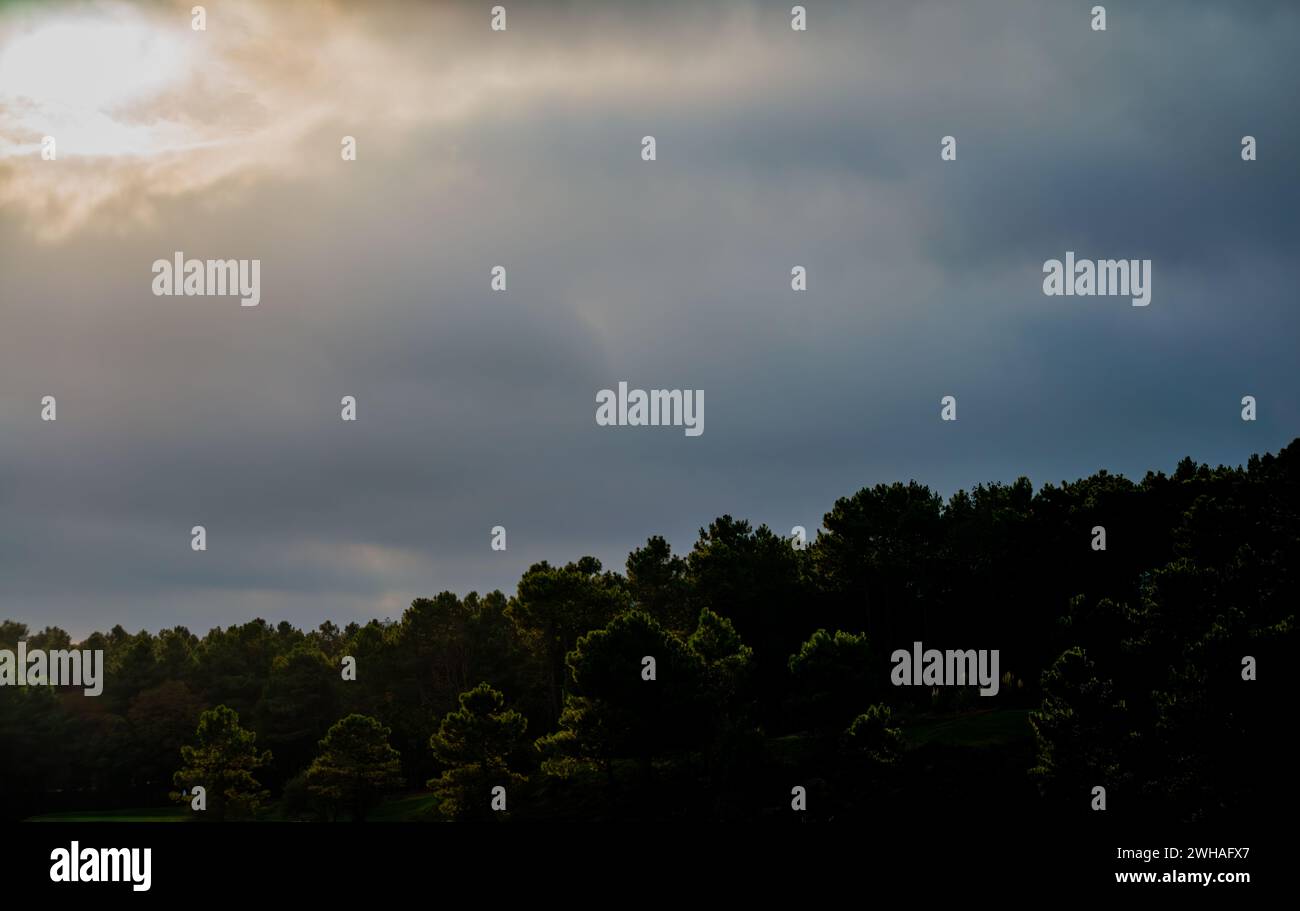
{"points": [[771, 669]]}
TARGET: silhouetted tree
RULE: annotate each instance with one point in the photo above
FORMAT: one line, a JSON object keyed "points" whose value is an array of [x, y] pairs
{"points": [[834, 680], [559, 604]]}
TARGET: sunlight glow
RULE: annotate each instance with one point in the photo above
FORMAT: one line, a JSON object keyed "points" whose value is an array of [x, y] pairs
{"points": [[79, 79]]}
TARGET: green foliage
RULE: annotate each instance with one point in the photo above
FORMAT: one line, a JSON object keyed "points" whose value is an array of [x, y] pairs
{"points": [[298, 704], [623, 714], [833, 680], [1080, 726], [657, 581], [1131, 656], [475, 743], [355, 767], [31, 719], [728, 662], [160, 720], [880, 540], [870, 736], [223, 761], [297, 802], [556, 605]]}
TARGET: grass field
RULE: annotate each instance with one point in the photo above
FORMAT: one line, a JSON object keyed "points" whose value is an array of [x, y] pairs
{"points": [[977, 728], [405, 808], [144, 814]]}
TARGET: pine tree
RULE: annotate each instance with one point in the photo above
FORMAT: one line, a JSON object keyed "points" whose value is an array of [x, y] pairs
{"points": [[355, 766], [223, 762], [475, 743]]}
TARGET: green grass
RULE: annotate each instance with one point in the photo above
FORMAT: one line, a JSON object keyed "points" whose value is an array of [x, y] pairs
{"points": [[790, 749], [987, 727], [143, 814], [975, 728], [406, 808]]}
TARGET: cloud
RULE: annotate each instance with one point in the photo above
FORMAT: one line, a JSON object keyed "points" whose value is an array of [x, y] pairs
{"points": [[522, 149]]}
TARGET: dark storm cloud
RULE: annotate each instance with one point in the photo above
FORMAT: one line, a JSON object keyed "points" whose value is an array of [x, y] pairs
{"points": [[775, 149]]}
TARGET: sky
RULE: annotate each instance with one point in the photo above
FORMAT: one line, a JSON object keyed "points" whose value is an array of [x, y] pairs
{"points": [[522, 148]]}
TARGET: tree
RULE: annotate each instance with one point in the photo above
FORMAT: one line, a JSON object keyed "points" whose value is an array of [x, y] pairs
{"points": [[755, 579], [223, 762], [558, 604], [728, 673], [657, 582], [475, 743], [160, 719], [1159, 637], [614, 711], [1081, 728], [864, 769], [33, 722], [871, 737], [298, 703], [233, 664], [355, 767], [832, 680], [728, 662], [174, 653], [878, 555]]}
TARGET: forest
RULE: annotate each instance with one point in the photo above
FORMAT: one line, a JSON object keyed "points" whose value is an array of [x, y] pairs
{"points": [[1152, 668]]}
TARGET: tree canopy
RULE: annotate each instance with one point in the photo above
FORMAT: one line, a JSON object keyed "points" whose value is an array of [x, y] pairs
{"points": [[1150, 665]]}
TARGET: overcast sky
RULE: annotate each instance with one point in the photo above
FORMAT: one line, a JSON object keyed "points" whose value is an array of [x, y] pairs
{"points": [[775, 148]]}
